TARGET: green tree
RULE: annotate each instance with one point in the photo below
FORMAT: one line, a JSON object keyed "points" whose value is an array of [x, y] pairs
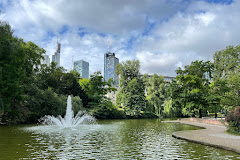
{"points": [[131, 95], [19, 65], [195, 86], [173, 95], [156, 94], [227, 64], [134, 98], [225, 61], [234, 84], [128, 71]]}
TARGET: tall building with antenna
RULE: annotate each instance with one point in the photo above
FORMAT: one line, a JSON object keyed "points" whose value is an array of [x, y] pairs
{"points": [[110, 64], [56, 56]]}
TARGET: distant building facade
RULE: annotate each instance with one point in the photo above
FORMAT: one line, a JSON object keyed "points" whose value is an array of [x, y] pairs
{"points": [[46, 60], [166, 78], [82, 67], [110, 64], [56, 56]]}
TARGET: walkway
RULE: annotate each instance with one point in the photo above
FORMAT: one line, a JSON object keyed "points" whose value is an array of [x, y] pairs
{"points": [[212, 135]]}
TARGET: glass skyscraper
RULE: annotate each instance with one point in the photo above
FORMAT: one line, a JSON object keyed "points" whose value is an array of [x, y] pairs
{"points": [[82, 67], [110, 64], [56, 56]]}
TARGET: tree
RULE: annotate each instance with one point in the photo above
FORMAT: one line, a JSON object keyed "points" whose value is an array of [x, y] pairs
{"points": [[128, 71], [11, 63], [96, 88], [195, 87], [234, 84], [217, 90], [131, 94], [134, 98], [227, 64], [225, 61], [156, 94], [174, 102], [19, 64]]}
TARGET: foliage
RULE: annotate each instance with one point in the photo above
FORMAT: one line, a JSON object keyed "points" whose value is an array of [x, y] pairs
{"points": [[194, 88], [156, 92], [134, 99], [128, 70], [96, 89], [131, 95], [226, 61], [227, 67], [77, 104], [169, 111], [233, 120], [107, 110]]}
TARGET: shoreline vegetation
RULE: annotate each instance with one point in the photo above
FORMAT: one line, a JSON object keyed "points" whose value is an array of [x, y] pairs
{"points": [[29, 90]]}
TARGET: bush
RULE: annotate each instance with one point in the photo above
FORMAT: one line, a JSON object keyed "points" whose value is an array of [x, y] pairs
{"points": [[233, 120], [107, 110]]}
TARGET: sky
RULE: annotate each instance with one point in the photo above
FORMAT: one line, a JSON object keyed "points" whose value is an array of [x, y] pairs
{"points": [[162, 34]]}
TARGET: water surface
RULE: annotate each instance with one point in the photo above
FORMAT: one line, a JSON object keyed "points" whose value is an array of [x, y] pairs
{"points": [[109, 139]]}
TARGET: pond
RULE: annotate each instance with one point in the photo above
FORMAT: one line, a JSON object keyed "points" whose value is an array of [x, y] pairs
{"points": [[109, 139]]}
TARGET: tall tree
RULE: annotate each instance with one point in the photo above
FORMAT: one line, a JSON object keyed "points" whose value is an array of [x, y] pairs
{"points": [[195, 85], [134, 98], [131, 94], [225, 61], [156, 93], [227, 64], [128, 71]]}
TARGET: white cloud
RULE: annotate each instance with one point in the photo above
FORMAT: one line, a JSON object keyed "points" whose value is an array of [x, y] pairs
{"points": [[182, 31], [192, 35], [156, 63]]}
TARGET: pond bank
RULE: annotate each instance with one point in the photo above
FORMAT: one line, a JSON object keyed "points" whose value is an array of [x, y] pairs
{"points": [[212, 135]]}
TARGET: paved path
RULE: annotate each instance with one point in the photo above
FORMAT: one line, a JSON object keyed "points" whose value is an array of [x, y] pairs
{"points": [[212, 135]]}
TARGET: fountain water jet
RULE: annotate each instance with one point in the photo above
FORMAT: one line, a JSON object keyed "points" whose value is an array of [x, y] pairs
{"points": [[69, 120]]}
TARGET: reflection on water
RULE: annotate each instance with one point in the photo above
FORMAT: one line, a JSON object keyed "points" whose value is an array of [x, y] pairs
{"points": [[125, 139]]}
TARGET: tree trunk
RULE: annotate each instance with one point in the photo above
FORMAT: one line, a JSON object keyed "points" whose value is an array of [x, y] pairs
{"points": [[200, 113]]}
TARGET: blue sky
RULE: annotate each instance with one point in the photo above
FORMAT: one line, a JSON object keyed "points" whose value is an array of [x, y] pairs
{"points": [[162, 34]]}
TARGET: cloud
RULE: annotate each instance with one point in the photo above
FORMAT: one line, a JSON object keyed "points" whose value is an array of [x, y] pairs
{"points": [[156, 63], [195, 34], [101, 16], [163, 35]]}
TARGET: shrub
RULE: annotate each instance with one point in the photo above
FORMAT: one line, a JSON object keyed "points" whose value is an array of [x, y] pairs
{"points": [[233, 120]]}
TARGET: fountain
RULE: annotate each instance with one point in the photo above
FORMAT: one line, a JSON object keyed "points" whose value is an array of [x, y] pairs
{"points": [[82, 117]]}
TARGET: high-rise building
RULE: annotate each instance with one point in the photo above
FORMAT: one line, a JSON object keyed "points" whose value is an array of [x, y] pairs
{"points": [[46, 60], [110, 64], [82, 67], [56, 56]]}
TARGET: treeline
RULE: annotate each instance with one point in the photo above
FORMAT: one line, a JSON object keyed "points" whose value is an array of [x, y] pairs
{"points": [[200, 89]]}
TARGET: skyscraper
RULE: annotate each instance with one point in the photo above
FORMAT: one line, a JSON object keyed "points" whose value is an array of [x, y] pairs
{"points": [[56, 56], [110, 64], [82, 67], [46, 60]]}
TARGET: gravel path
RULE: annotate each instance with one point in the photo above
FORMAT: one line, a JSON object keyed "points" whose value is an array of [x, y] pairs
{"points": [[212, 135]]}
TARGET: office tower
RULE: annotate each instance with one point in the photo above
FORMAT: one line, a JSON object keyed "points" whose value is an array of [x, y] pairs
{"points": [[82, 67], [56, 56], [110, 64], [46, 60]]}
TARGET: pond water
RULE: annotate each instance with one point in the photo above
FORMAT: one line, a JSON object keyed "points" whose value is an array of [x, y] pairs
{"points": [[109, 139]]}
